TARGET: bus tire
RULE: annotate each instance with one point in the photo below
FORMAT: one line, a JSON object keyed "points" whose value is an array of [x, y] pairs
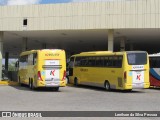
{"points": [[31, 84], [56, 89], [19, 81], [107, 86], [76, 82], [67, 80], [129, 90]]}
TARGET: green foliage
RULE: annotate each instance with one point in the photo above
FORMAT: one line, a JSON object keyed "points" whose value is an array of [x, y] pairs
{"points": [[11, 66]]}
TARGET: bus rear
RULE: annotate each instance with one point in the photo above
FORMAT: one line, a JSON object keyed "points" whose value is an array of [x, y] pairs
{"points": [[51, 68], [154, 75], [136, 74]]}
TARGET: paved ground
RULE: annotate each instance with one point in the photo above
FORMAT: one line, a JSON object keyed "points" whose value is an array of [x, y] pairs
{"points": [[83, 98]]}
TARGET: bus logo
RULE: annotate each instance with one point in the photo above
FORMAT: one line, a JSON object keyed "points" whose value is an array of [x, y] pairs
{"points": [[138, 77], [52, 54], [137, 67], [52, 72]]}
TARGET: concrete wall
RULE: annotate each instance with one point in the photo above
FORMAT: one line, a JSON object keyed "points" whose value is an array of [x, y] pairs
{"points": [[88, 15]]}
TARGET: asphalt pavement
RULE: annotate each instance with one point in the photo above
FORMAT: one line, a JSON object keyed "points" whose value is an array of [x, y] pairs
{"points": [[82, 98]]}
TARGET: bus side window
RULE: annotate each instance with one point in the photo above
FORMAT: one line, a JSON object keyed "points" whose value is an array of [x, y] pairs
{"points": [[23, 61], [114, 62], [153, 62], [93, 61], [110, 62], [89, 61], [77, 61], [106, 61], [71, 62], [150, 62], [34, 58], [84, 61], [117, 62], [70, 66], [158, 62], [101, 61], [98, 61]]}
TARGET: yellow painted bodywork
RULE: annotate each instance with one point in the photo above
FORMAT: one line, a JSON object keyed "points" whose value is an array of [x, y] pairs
{"points": [[30, 72], [96, 76]]}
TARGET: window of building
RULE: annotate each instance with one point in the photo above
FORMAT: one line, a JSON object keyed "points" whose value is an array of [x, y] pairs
{"points": [[25, 22]]}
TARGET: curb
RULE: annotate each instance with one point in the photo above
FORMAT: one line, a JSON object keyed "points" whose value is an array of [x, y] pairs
{"points": [[6, 82], [69, 85], [13, 83]]}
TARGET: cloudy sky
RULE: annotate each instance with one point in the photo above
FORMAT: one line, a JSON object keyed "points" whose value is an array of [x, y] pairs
{"points": [[25, 2]]}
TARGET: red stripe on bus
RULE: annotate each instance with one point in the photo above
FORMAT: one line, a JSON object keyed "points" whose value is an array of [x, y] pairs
{"points": [[154, 82]]}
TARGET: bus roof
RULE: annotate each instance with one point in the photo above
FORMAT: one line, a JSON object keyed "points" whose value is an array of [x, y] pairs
{"points": [[96, 52], [34, 51], [105, 53], [28, 52], [154, 55]]}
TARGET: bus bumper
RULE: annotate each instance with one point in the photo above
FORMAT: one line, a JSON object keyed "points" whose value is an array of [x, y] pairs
{"points": [[43, 84], [146, 85], [127, 86], [62, 83], [136, 86]]}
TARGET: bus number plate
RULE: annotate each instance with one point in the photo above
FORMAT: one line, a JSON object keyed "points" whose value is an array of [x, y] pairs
{"points": [[53, 82]]}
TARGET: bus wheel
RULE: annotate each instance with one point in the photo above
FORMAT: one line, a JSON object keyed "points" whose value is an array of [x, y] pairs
{"points": [[19, 81], [31, 84], [76, 82], [67, 80], [129, 90], [107, 85], [56, 89]]}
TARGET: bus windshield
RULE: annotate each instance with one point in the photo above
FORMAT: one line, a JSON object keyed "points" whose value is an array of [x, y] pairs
{"points": [[137, 58]]}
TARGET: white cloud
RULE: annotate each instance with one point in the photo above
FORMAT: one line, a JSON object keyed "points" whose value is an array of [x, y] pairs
{"points": [[19, 2]]}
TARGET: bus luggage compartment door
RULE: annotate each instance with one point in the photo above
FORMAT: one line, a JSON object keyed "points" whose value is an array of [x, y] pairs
{"points": [[52, 72], [138, 79]]}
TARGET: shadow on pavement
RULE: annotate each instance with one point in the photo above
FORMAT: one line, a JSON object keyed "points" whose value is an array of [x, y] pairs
{"points": [[103, 89], [154, 88], [26, 88]]}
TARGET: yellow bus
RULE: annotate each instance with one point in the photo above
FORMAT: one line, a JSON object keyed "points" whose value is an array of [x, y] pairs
{"points": [[112, 70], [42, 68]]}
